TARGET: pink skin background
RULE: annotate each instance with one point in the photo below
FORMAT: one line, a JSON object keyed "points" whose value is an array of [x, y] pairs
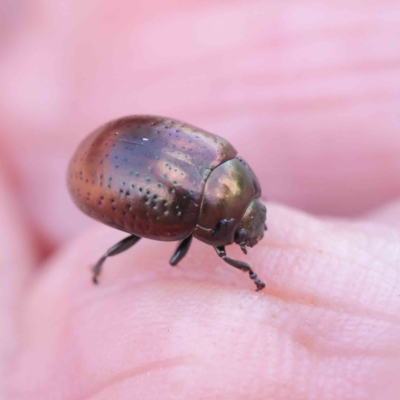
{"points": [[309, 93]]}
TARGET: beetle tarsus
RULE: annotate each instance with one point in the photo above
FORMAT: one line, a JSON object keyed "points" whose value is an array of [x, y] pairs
{"points": [[259, 283], [240, 265], [121, 246], [181, 251]]}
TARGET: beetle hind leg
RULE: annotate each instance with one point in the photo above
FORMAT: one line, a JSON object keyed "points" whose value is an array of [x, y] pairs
{"points": [[181, 251], [121, 246], [240, 265]]}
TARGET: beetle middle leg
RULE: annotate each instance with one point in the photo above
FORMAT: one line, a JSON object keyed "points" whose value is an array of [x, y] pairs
{"points": [[181, 251], [240, 265], [121, 246]]}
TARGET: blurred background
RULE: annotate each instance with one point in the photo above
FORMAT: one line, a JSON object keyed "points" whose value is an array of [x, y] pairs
{"points": [[308, 93]]}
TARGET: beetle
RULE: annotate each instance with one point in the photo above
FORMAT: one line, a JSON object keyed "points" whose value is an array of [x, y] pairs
{"points": [[162, 179]]}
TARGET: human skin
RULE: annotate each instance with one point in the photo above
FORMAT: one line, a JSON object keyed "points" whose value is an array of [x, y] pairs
{"points": [[309, 95]]}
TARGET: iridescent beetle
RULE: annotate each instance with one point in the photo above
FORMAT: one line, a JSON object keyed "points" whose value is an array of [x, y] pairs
{"points": [[162, 179]]}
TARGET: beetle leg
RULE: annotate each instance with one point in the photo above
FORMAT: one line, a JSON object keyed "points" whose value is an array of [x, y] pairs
{"points": [[240, 265], [243, 247], [181, 250], [222, 228], [121, 246]]}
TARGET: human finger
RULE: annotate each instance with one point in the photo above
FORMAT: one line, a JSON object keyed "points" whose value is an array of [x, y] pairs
{"points": [[329, 314]]}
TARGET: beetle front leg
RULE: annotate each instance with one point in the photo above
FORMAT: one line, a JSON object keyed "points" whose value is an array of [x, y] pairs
{"points": [[240, 265], [223, 228], [121, 246], [181, 251]]}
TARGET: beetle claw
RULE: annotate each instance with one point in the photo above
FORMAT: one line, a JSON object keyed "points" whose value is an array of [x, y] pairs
{"points": [[243, 247]]}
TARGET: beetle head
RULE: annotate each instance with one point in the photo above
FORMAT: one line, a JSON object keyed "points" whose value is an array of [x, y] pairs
{"points": [[252, 226]]}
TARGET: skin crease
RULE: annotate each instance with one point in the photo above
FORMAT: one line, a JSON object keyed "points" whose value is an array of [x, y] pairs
{"points": [[309, 95]]}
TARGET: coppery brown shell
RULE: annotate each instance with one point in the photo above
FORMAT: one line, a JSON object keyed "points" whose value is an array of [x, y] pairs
{"points": [[146, 175]]}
